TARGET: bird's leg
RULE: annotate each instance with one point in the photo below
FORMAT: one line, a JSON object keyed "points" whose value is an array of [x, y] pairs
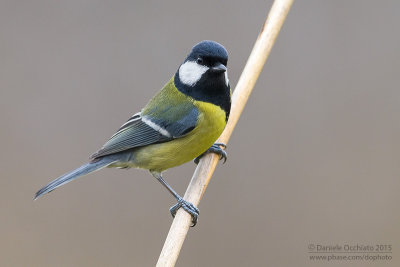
{"points": [[215, 148], [189, 207]]}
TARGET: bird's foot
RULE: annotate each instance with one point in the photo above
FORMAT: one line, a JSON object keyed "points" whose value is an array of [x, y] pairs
{"points": [[217, 148], [188, 207]]}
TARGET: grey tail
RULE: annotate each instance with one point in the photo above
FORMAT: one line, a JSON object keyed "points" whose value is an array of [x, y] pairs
{"points": [[82, 170]]}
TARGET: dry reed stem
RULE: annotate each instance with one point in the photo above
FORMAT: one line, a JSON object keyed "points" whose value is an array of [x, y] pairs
{"points": [[207, 164]]}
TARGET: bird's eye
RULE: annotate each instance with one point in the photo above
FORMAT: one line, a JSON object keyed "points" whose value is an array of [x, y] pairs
{"points": [[199, 60]]}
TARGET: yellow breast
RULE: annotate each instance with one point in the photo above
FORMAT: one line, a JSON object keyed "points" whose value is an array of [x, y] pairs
{"points": [[159, 157]]}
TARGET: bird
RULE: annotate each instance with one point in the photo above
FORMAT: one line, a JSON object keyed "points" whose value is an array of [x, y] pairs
{"points": [[179, 124]]}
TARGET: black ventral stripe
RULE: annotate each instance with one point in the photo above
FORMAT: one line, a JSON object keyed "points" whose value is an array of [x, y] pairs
{"points": [[208, 90]]}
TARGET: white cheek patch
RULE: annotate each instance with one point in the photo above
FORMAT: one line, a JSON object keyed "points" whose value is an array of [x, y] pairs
{"points": [[226, 78], [190, 72]]}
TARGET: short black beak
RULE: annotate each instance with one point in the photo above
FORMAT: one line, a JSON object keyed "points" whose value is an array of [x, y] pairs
{"points": [[220, 68]]}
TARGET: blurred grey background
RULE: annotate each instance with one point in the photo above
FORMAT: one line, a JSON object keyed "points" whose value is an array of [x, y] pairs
{"points": [[313, 160]]}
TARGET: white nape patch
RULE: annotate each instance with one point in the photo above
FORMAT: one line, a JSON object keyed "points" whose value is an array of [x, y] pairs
{"points": [[190, 72], [226, 78], [156, 127]]}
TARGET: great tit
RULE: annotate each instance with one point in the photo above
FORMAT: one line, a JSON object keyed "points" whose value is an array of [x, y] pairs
{"points": [[181, 122]]}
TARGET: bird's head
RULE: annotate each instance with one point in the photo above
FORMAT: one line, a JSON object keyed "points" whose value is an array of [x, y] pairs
{"points": [[205, 65], [204, 76]]}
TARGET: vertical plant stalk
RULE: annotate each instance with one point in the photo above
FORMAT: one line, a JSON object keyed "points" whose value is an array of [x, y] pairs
{"points": [[207, 164]]}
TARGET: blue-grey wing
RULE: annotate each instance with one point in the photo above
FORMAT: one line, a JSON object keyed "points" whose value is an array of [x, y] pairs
{"points": [[148, 129]]}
